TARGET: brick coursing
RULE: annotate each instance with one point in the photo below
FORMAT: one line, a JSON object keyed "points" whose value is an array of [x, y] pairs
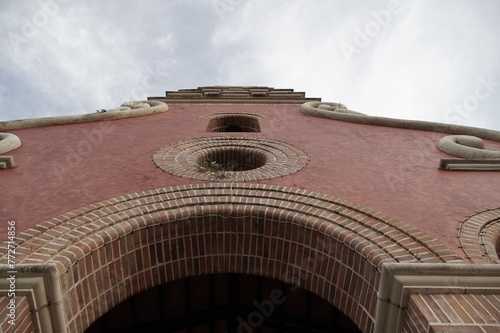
{"points": [[474, 312], [111, 250], [479, 236], [276, 158], [24, 319]]}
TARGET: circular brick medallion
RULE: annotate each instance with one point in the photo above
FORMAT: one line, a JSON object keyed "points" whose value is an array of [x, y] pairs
{"points": [[230, 158]]}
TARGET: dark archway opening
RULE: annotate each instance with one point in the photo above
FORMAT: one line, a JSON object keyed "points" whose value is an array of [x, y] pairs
{"points": [[234, 123], [234, 128], [498, 248], [224, 303]]}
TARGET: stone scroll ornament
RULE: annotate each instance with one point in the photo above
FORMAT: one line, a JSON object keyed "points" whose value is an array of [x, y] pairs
{"points": [[133, 105], [466, 142], [9, 142], [126, 110], [467, 146]]}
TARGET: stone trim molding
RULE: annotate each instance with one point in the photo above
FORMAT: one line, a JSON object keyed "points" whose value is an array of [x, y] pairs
{"points": [[235, 95], [463, 145], [337, 108], [9, 142], [398, 281], [106, 252], [181, 158], [126, 110], [285, 103], [479, 236], [40, 284], [6, 162], [232, 101], [470, 164], [340, 112]]}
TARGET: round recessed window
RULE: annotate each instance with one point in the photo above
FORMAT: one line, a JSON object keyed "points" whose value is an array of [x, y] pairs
{"points": [[230, 159]]}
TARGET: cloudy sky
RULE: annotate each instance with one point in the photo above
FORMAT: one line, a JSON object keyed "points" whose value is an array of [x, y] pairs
{"points": [[428, 59]]}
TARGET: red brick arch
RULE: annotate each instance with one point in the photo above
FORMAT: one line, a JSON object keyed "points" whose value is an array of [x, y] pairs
{"points": [[109, 251], [479, 235]]}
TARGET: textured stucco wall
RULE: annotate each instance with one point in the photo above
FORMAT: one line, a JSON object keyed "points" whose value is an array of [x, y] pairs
{"points": [[393, 170]]}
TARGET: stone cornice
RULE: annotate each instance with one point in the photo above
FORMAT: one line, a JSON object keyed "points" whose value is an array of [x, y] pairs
{"points": [[235, 95]]}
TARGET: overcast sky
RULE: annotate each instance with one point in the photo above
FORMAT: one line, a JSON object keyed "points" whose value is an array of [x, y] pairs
{"points": [[428, 60]]}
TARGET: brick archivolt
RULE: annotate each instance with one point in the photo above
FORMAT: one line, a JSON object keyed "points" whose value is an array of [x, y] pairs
{"points": [[479, 236], [275, 158], [109, 251]]}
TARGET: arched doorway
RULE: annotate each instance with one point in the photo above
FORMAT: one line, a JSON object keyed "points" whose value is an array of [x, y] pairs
{"points": [[105, 253], [224, 303]]}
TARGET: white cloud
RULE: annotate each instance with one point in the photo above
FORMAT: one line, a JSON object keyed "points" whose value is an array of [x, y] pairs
{"points": [[92, 55]]}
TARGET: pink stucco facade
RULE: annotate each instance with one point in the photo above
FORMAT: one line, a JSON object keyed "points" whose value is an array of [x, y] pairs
{"points": [[98, 217], [392, 170]]}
